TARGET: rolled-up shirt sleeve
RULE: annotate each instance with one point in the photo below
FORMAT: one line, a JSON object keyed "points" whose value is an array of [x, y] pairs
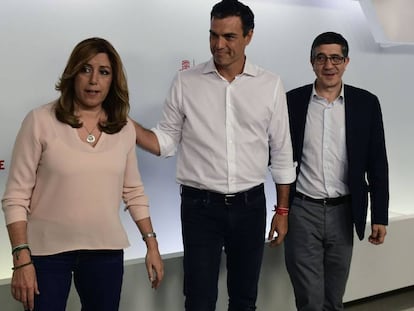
{"points": [[282, 167], [168, 130]]}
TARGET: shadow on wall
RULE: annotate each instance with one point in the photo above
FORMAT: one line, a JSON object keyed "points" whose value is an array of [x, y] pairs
{"points": [[313, 3]]}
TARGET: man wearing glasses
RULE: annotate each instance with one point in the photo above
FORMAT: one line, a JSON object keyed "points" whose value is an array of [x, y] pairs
{"points": [[338, 142]]}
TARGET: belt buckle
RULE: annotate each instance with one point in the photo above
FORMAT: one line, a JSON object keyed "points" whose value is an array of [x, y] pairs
{"points": [[227, 197]]}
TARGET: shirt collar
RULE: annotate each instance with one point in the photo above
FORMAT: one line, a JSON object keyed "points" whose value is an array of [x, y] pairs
{"points": [[249, 69], [340, 97]]}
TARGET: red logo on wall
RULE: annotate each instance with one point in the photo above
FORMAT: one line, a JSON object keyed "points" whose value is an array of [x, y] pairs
{"points": [[2, 165], [186, 64]]}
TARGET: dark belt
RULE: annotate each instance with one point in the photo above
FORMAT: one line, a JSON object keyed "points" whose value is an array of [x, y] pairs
{"points": [[227, 199], [325, 201]]}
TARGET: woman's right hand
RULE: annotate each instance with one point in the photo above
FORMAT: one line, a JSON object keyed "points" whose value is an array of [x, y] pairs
{"points": [[24, 285]]}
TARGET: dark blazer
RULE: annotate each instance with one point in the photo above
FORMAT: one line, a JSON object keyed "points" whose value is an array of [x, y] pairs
{"points": [[367, 158]]}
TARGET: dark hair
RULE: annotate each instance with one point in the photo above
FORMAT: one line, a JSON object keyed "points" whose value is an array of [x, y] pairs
{"points": [[227, 8], [330, 38], [116, 103]]}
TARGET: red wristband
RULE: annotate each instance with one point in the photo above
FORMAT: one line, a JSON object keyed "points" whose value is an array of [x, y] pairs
{"points": [[283, 211]]}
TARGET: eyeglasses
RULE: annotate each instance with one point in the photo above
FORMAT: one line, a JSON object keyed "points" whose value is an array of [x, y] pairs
{"points": [[321, 59]]}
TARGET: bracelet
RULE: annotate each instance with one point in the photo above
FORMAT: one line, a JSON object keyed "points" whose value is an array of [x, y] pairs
{"points": [[149, 235], [20, 247], [22, 265], [16, 250], [283, 211]]}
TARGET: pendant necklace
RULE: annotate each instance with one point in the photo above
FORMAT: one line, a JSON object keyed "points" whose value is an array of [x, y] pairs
{"points": [[91, 138]]}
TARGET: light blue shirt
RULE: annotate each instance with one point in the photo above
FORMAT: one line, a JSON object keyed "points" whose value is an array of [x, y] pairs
{"points": [[324, 165]]}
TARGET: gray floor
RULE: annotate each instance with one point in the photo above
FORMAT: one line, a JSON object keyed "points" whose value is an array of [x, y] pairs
{"points": [[401, 300]]}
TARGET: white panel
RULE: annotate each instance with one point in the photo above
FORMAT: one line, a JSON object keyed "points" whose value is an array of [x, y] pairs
{"points": [[391, 22]]}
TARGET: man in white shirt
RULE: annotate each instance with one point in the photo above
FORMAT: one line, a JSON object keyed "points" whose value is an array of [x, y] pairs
{"points": [[338, 142], [224, 116]]}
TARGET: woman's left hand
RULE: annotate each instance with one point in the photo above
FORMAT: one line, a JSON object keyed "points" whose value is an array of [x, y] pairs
{"points": [[155, 267]]}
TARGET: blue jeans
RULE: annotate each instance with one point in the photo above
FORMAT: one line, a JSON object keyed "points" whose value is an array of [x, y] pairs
{"points": [[211, 223], [97, 276]]}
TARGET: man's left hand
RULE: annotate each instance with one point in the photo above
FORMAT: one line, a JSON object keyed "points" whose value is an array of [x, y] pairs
{"points": [[279, 227], [378, 233]]}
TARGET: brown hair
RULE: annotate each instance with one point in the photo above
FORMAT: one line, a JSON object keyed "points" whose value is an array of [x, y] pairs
{"points": [[116, 103]]}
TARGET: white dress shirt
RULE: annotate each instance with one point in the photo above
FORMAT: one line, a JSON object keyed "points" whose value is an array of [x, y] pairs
{"points": [[223, 130], [324, 164]]}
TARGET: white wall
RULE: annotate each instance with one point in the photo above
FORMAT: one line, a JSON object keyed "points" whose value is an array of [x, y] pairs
{"points": [[153, 37]]}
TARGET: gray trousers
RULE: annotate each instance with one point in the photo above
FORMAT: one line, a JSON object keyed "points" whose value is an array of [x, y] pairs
{"points": [[318, 251]]}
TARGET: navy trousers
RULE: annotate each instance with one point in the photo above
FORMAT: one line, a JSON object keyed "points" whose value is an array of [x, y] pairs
{"points": [[97, 277], [212, 222]]}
